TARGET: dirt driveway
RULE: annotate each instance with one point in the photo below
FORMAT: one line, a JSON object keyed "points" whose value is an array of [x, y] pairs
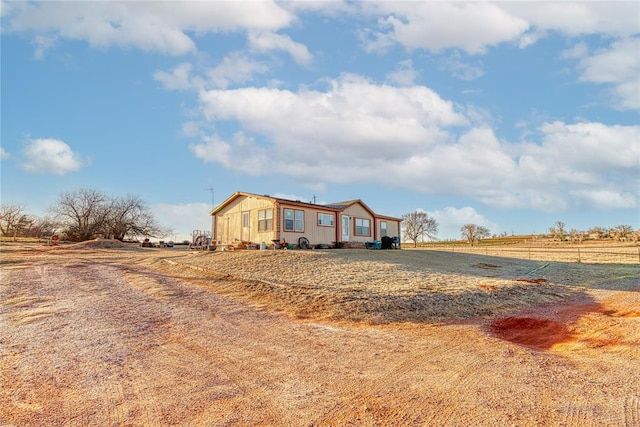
{"points": [[105, 338]]}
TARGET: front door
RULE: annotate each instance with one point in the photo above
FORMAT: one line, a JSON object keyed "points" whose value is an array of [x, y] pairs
{"points": [[246, 227], [346, 228]]}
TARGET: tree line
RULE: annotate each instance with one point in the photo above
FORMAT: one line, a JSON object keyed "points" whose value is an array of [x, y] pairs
{"points": [[84, 214], [418, 226]]}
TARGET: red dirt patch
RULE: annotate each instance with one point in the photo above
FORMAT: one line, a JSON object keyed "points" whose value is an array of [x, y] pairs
{"points": [[530, 332], [487, 287]]}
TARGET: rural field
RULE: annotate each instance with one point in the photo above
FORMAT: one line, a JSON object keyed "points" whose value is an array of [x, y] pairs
{"points": [[106, 334]]}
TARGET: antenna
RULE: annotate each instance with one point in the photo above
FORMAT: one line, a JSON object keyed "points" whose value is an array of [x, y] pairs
{"points": [[212, 196]]}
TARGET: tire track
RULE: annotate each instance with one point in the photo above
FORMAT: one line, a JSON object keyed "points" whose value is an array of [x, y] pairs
{"points": [[632, 411]]}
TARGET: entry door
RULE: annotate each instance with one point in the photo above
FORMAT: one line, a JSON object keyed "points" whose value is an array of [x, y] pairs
{"points": [[246, 227], [346, 228]]}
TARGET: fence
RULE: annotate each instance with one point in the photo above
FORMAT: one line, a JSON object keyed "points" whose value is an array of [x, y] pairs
{"points": [[574, 253]]}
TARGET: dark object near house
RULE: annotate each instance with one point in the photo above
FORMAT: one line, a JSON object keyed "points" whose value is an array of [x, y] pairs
{"points": [[146, 243], [303, 243], [387, 242]]}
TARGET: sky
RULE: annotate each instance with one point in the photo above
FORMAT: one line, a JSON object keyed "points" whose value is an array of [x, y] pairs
{"points": [[510, 115]]}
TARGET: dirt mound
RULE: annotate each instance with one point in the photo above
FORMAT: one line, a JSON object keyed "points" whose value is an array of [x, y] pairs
{"points": [[99, 244]]}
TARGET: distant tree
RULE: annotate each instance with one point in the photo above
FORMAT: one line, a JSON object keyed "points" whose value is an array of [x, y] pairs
{"points": [[82, 213], [417, 225], [86, 213], [598, 233], [558, 232], [621, 232], [130, 217], [576, 236], [12, 219], [472, 233]]}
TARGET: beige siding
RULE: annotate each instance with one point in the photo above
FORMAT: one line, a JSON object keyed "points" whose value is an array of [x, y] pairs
{"points": [[358, 211], [229, 221], [393, 227], [314, 233]]}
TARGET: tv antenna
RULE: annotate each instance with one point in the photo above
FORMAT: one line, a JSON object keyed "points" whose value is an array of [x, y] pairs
{"points": [[212, 196]]}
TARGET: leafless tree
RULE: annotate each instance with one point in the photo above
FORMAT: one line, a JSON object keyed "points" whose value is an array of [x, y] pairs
{"points": [[622, 232], [85, 214], [82, 213], [417, 225], [12, 219], [130, 217], [472, 233], [558, 231]]}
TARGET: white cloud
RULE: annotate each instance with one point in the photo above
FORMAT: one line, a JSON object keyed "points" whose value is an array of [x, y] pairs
{"points": [[269, 41], [178, 79], [241, 154], [619, 66], [615, 19], [183, 219], [4, 154], [451, 219], [43, 44], [50, 156], [357, 131], [148, 26], [435, 26], [460, 69], [475, 26], [235, 68], [404, 75]]}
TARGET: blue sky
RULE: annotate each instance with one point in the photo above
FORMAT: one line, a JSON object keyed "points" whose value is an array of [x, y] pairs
{"points": [[510, 115]]}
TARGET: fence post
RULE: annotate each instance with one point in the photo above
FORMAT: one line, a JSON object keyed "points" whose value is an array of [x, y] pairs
{"points": [[579, 254]]}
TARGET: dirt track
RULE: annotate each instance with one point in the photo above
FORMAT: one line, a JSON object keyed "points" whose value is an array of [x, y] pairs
{"points": [[103, 338]]}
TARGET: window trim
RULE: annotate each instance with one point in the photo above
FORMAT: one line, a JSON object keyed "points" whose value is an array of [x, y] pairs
{"points": [[294, 219], [331, 216], [355, 228], [384, 231], [265, 224]]}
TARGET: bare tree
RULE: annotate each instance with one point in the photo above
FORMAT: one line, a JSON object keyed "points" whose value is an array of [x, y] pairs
{"points": [[82, 213], [12, 219], [130, 217], [472, 233], [558, 231], [418, 225], [621, 232]]}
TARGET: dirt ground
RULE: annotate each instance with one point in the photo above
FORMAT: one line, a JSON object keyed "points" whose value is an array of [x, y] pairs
{"points": [[108, 335]]}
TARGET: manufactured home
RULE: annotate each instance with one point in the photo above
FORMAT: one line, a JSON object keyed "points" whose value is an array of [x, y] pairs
{"points": [[257, 219]]}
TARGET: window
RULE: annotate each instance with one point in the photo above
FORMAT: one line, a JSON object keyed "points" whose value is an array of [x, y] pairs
{"points": [[363, 227], [246, 222], [325, 220], [265, 220], [293, 220], [383, 228]]}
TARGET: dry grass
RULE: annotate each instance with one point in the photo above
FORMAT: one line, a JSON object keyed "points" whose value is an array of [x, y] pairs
{"points": [[390, 286]]}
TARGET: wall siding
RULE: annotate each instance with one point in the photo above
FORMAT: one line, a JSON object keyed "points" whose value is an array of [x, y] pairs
{"points": [[315, 234], [229, 221]]}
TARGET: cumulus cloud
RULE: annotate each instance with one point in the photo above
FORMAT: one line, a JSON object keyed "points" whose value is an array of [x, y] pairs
{"points": [[435, 26], [4, 154], [269, 41], [451, 219], [404, 75], [357, 131], [235, 68], [149, 26], [50, 156], [618, 66]]}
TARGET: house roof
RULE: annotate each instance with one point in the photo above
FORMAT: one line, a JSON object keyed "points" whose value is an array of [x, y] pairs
{"points": [[338, 206]]}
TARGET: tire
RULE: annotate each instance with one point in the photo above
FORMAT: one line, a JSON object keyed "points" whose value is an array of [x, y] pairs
{"points": [[303, 243]]}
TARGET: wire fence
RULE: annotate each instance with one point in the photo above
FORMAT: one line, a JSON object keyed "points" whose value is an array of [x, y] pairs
{"points": [[575, 253]]}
